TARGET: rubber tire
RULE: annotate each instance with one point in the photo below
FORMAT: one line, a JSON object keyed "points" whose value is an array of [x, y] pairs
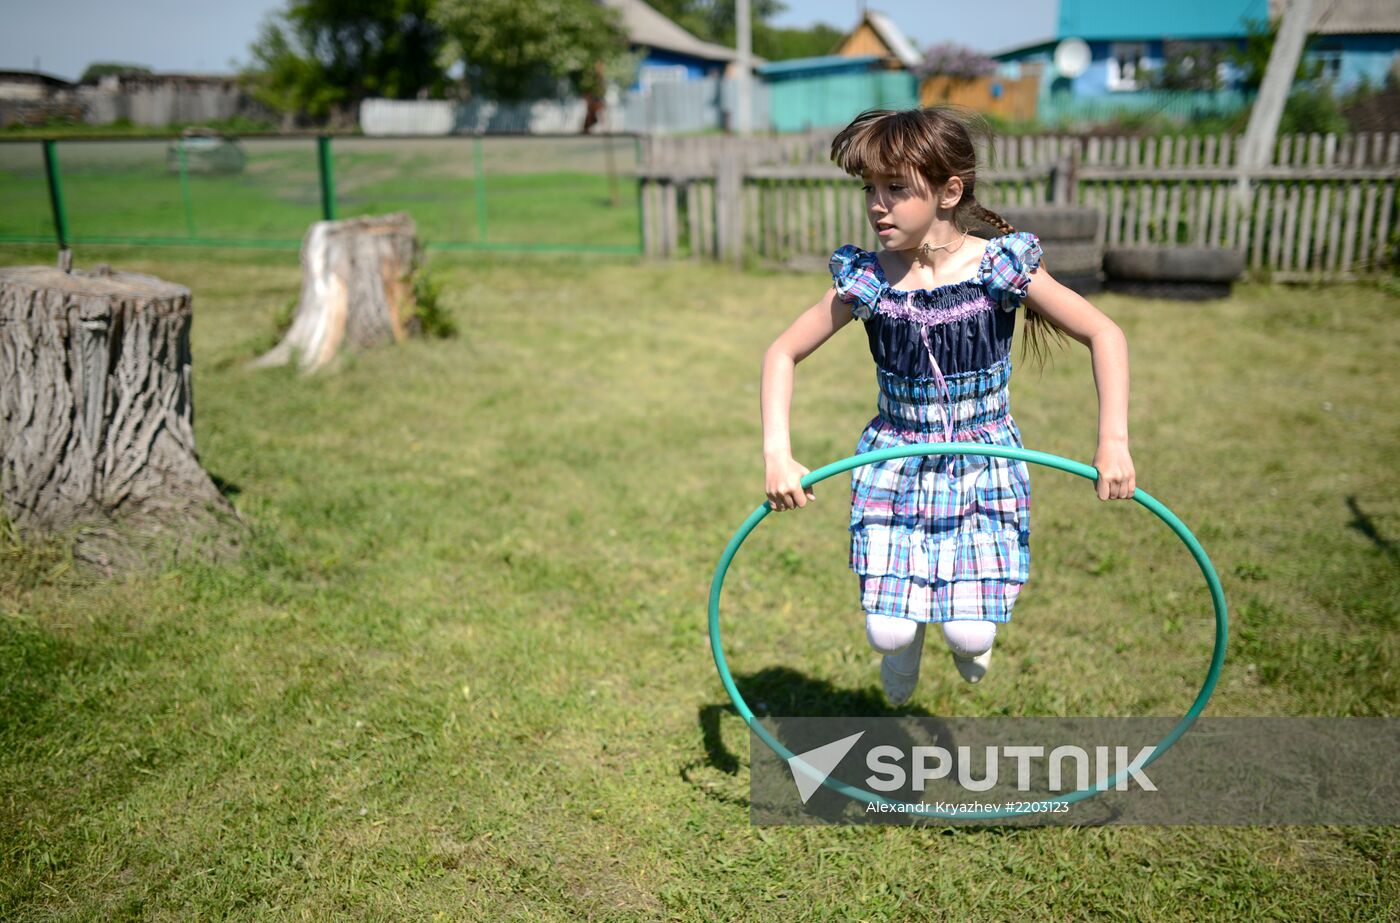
{"points": [[1083, 283], [1173, 291], [1072, 257], [1053, 222], [1173, 264]]}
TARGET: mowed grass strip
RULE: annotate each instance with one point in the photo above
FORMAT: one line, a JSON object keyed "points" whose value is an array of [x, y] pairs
{"points": [[463, 670]]}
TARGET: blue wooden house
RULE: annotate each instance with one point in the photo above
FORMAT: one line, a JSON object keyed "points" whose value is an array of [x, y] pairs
{"points": [[818, 92], [871, 67], [1354, 39], [671, 53], [1119, 46]]}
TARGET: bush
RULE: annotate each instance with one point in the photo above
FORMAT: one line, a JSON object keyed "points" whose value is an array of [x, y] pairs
{"points": [[1372, 107], [1312, 109], [1136, 122], [1388, 263], [279, 321], [429, 317]]}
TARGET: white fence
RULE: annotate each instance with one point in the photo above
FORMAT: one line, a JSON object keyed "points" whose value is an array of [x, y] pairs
{"points": [[1323, 209], [659, 108]]}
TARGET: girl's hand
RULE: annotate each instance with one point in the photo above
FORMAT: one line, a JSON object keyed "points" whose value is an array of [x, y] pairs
{"points": [[1117, 480], [783, 483]]}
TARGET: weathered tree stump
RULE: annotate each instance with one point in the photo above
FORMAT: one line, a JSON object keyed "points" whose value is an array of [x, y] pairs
{"points": [[355, 290], [97, 414]]}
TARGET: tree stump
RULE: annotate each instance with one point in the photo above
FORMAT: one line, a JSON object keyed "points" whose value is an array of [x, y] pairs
{"points": [[97, 414], [355, 292]]}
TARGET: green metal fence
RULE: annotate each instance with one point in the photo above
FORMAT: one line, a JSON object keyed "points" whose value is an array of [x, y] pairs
{"points": [[574, 193]]}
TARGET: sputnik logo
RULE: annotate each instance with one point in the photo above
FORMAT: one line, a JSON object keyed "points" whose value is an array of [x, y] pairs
{"points": [[810, 769]]}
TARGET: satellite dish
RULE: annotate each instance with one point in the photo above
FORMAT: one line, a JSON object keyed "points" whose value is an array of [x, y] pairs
{"points": [[1072, 57]]}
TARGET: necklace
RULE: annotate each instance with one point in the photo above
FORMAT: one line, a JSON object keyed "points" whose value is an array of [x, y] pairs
{"points": [[926, 250]]}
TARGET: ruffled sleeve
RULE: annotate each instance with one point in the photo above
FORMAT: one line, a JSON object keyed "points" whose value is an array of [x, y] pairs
{"points": [[1013, 258], [856, 280]]}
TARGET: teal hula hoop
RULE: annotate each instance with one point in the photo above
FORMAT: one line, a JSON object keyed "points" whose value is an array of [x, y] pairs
{"points": [[1217, 595]]}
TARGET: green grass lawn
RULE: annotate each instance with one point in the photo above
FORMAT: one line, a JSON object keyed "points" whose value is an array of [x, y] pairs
{"points": [[463, 672]]}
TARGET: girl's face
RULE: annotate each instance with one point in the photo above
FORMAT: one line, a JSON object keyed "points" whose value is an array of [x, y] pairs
{"points": [[903, 209]]}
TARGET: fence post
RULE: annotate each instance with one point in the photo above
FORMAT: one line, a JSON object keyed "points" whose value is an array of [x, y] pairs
{"points": [[60, 215], [479, 187], [185, 190], [1060, 181], [729, 213], [323, 151], [641, 197]]}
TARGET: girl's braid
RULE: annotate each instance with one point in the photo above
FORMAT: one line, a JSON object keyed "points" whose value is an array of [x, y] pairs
{"points": [[992, 218], [1039, 329]]}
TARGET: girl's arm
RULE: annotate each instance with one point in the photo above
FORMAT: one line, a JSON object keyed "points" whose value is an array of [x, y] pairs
{"points": [[813, 327], [1109, 355]]}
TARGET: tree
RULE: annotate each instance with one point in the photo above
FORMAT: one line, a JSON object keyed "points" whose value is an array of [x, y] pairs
{"points": [[618, 70], [99, 69], [1252, 59], [1189, 65], [713, 20], [776, 44], [1313, 109], [518, 50], [323, 57]]}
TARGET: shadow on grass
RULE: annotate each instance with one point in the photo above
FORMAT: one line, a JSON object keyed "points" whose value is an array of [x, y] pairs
{"points": [[785, 692], [1366, 525], [227, 488]]}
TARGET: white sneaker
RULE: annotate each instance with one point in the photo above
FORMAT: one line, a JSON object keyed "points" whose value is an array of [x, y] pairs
{"points": [[973, 668], [899, 687], [899, 672]]}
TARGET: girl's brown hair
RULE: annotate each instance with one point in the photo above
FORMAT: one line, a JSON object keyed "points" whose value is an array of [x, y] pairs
{"points": [[936, 143]]}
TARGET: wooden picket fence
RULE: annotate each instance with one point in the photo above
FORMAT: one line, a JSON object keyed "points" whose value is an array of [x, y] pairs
{"points": [[1324, 209]]}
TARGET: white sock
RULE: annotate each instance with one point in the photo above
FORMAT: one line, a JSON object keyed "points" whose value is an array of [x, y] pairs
{"points": [[889, 634], [900, 640], [969, 637]]}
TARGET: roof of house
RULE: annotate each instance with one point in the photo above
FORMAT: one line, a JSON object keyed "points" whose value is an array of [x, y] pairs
{"points": [[1045, 43], [826, 62], [34, 77], [895, 40], [134, 77], [1114, 20], [1329, 17], [1348, 17], [645, 26]]}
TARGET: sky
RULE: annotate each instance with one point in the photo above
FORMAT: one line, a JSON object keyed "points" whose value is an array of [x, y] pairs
{"points": [[203, 36], [926, 22]]}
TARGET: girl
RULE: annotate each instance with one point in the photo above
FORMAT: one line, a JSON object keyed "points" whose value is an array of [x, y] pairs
{"points": [[938, 538]]}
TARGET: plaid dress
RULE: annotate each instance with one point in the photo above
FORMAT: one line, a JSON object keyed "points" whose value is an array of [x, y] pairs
{"points": [[935, 538]]}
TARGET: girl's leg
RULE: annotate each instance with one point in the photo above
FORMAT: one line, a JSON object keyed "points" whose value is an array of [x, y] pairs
{"points": [[970, 641], [969, 637], [902, 643], [888, 634]]}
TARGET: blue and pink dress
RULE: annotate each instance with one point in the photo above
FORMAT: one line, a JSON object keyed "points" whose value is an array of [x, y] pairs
{"points": [[933, 537]]}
